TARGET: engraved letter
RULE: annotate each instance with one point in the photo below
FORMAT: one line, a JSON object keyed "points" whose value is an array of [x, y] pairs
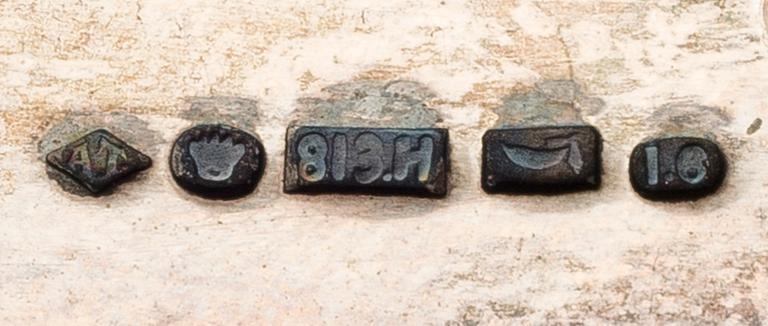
{"points": [[80, 156], [114, 155], [368, 163], [339, 161], [691, 164], [312, 151], [652, 161], [409, 152]]}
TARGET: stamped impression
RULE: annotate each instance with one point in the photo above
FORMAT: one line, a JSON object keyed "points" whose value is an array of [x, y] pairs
{"points": [[372, 160]]}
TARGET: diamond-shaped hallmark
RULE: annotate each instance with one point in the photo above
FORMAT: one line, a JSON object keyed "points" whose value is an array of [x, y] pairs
{"points": [[98, 160]]}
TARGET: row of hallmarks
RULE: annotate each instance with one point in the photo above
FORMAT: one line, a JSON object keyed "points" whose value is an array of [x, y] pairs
{"points": [[224, 162]]}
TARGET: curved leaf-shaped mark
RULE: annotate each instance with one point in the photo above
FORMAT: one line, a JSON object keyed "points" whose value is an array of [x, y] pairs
{"points": [[533, 158], [540, 159]]}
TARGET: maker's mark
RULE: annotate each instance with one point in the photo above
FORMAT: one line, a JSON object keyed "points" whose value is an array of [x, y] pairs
{"points": [[98, 160]]}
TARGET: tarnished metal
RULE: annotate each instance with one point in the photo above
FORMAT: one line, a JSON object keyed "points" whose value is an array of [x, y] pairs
{"points": [[371, 160], [98, 160], [541, 159], [217, 161], [677, 168]]}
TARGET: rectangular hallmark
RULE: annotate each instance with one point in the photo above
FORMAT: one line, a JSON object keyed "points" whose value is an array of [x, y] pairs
{"points": [[368, 160], [541, 159]]}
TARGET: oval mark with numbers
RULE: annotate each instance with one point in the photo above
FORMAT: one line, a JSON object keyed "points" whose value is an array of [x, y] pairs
{"points": [[677, 168]]}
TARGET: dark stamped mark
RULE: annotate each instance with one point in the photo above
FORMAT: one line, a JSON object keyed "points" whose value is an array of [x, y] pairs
{"points": [[366, 160], [755, 126], [677, 168], [541, 159], [98, 160], [217, 161]]}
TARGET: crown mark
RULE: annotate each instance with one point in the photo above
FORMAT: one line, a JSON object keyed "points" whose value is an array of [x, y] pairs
{"points": [[216, 159]]}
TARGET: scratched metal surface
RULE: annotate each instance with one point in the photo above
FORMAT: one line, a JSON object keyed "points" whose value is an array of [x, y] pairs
{"points": [[152, 254]]}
